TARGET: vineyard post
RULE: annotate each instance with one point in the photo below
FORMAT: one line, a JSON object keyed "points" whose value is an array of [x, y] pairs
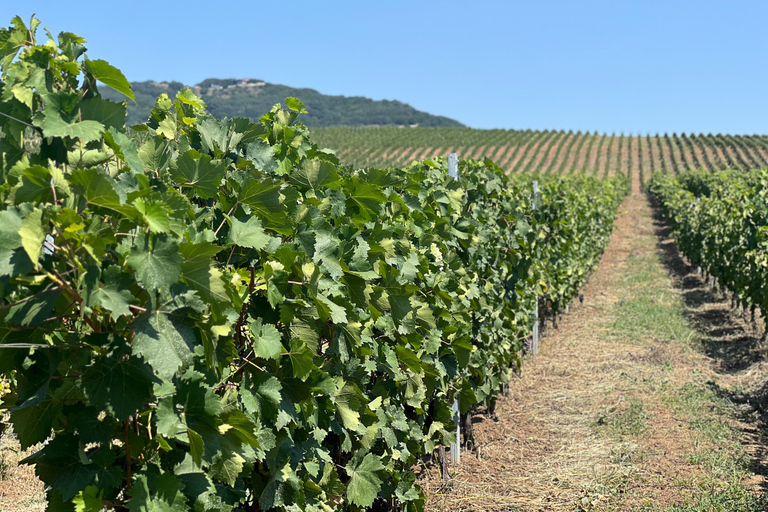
{"points": [[535, 347], [453, 172], [698, 271], [453, 166], [456, 447]]}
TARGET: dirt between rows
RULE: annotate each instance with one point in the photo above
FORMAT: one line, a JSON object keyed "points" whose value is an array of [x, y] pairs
{"points": [[544, 450]]}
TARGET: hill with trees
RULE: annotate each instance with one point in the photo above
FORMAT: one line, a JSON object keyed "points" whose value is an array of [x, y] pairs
{"points": [[248, 97]]}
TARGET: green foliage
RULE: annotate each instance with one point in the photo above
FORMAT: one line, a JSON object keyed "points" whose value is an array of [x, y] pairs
{"points": [[720, 221], [223, 318]]}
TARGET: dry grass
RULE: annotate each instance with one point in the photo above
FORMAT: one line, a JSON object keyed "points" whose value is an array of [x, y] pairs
{"points": [[20, 489]]}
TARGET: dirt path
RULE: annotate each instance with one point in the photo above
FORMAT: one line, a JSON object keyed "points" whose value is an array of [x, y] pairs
{"points": [[622, 409]]}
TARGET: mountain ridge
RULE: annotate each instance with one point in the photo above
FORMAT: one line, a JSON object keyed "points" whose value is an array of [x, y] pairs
{"points": [[252, 98]]}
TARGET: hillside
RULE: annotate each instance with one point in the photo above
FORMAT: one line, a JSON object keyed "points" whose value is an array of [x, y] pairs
{"points": [[252, 98], [549, 152]]}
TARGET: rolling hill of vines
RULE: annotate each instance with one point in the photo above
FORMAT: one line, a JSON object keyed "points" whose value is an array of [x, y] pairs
{"points": [[549, 152]]}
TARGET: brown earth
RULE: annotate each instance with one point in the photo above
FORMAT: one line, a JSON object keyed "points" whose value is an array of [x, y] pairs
{"points": [[605, 157], [561, 154], [513, 155], [526, 152], [20, 489], [697, 156], [495, 153], [655, 160], [646, 157], [594, 155], [545, 153], [583, 158], [573, 158]]}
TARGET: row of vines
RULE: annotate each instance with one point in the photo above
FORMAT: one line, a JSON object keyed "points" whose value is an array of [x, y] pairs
{"points": [[720, 223], [549, 152], [215, 315]]}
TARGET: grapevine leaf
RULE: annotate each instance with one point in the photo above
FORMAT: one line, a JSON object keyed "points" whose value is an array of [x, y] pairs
{"points": [[364, 482], [462, 348], [200, 172], [13, 257], [124, 148], [35, 186], [12, 40], [98, 189], [283, 489], [301, 359], [359, 290], [166, 341], [89, 500], [56, 504], [248, 234], [169, 423], [327, 309], [188, 98], [110, 76], [155, 213], [167, 496], [105, 112], [295, 104], [227, 467], [262, 155], [196, 447], [155, 154], [401, 308], [261, 395], [32, 234], [241, 427], [156, 265], [34, 312], [266, 341], [200, 273], [313, 174], [263, 195], [200, 404], [34, 424], [199, 489], [114, 296], [367, 199], [59, 464], [348, 404], [55, 126], [119, 384]]}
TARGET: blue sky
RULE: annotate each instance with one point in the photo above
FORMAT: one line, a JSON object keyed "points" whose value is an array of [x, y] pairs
{"points": [[612, 66]]}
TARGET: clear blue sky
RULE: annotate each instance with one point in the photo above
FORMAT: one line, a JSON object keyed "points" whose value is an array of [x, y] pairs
{"points": [[612, 66]]}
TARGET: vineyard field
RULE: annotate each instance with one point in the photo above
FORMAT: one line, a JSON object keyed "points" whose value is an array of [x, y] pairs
{"points": [[548, 152], [218, 314]]}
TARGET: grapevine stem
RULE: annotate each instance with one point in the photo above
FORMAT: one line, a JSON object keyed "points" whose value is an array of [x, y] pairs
{"points": [[230, 255], [225, 219], [127, 454], [9, 306]]}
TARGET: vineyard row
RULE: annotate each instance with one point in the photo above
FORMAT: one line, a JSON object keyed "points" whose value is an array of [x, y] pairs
{"points": [[218, 316], [548, 152], [719, 221]]}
